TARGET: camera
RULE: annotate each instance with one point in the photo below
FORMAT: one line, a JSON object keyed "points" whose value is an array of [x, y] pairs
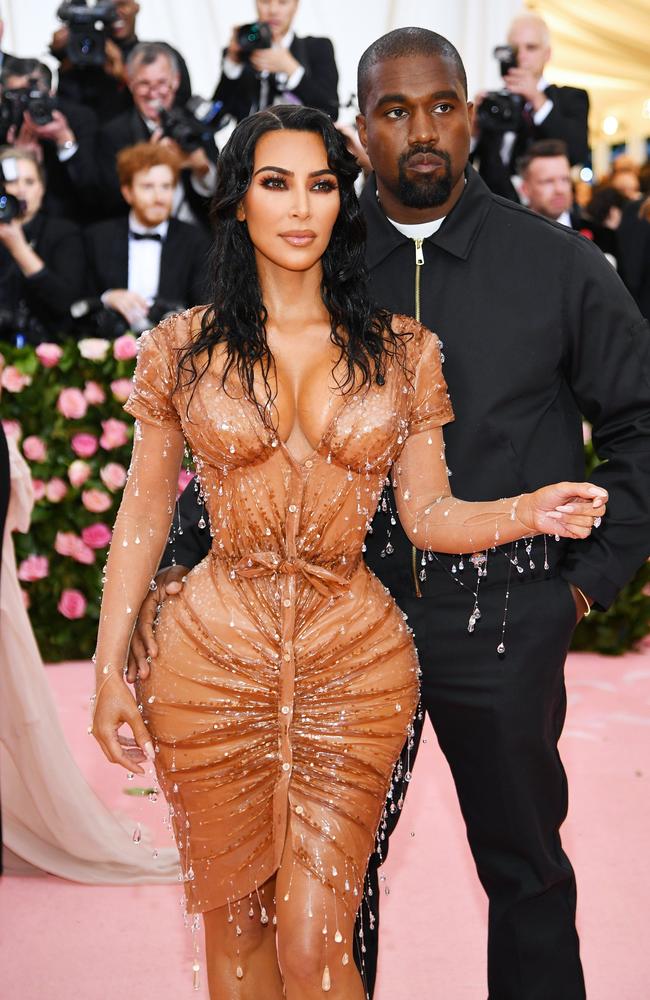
{"points": [[94, 319], [501, 111], [87, 27], [10, 207], [193, 124], [254, 36], [38, 102]]}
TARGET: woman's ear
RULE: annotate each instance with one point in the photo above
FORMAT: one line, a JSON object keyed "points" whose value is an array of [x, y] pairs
{"points": [[240, 213]]}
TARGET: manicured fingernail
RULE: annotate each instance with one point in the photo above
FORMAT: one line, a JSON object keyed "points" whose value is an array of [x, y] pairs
{"points": [[566, 508], [596, 492], [148, 749], [555, 515]]}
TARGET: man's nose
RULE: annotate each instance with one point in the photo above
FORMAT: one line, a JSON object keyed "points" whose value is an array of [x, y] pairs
{"points": [[424, 127]]}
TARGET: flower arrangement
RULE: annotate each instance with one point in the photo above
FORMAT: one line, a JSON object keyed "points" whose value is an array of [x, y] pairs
{"points": [[64, 405]]}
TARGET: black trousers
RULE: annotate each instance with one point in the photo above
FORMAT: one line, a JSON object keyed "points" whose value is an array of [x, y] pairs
{"points": [[498, 720]]}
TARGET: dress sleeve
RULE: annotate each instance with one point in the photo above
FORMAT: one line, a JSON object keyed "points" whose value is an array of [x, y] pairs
{"points": [[431, 406], [152, 397]]}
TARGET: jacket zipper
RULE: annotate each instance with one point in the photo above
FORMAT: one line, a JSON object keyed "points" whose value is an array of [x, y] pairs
{"points": [[419, 261]]}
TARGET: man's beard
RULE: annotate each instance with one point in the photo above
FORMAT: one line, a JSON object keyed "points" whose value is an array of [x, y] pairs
{"points": [[427, 191]]}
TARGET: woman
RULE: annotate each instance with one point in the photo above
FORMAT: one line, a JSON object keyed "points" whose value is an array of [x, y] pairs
{"points": [[286, 679], [42, 264]]}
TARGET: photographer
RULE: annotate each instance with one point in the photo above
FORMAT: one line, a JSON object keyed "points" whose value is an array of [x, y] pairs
{"points": [[544, 110], [60, 133], [268, 64], [154, 79], [148, 264], [42, 268], [103, 88]]}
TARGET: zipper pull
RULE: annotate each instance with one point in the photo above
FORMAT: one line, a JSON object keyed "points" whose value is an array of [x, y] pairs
{"points": [[419, 252]]}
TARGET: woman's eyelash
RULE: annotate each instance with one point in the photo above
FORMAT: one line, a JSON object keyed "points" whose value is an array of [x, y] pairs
{"points": [[279, 182]]}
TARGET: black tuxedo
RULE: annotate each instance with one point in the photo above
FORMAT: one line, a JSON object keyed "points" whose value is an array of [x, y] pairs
{"points": [[317, 89], [537, 329], [567, 120], [69, 182], [48, 295], [183, 261], [633, 255], [126, 130]]}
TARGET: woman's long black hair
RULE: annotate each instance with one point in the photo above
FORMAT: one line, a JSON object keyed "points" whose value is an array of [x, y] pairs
{"points": [[236, 316]]}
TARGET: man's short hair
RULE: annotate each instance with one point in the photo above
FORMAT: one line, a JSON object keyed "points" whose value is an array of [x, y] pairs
{"points": [[146, 53], [16, 153], [13, 66], [144, 156], [405, 42], [543, 149]]}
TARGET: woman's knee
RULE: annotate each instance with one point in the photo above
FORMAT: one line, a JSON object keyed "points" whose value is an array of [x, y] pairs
{"points": [[230, 932]]}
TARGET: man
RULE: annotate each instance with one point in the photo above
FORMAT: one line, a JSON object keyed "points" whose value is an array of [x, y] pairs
{"points": [[537, 330], [546, 186], [550, 112], [105, 89], [148, 258], [154, 79], [65, 145], [292, 70]]}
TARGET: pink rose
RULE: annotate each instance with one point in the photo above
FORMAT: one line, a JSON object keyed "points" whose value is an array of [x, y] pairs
{"points": [[13, 380], [64, 543], [12, 429], [82, 553], [93, 348], [96, 501], [72, 604], [33, 568], [115, 434], [113, 476], [49, 355], [125, 348], [78, 470], [38, 489], [34, 449], [72, 404], [84, 445], [97, 536], [94, 394], [55, 490], [121, 389]]}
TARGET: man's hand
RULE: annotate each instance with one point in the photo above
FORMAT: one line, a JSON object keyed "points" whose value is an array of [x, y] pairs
{"points": [[234, 51], [581, 607], [143, 644], [59, 42], [114, 65], [197, 161], [131, 305], [26, 139], [523, 82], [275, 60], [12, 236], [58, 130]]}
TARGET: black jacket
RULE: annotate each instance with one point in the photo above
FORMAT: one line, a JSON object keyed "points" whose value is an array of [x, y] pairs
{"points": [[633, 255], [183, 261], [126, 130], [567, 120], [317, 89], [68, 180], [537, 330], [48, 295]]}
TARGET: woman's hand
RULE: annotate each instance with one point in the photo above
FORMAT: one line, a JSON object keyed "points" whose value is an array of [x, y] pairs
{"points": [[115, 706], [570, 510]]}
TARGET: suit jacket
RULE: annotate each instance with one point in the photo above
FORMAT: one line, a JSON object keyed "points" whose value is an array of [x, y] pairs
{"points": [[567, 120], [633, 255], [49, 294], [69, 182], [183, 261], [126, 130], [317, 89]]}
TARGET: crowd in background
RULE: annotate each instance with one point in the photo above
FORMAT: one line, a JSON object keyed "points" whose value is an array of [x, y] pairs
{"points": [[115, 167]]}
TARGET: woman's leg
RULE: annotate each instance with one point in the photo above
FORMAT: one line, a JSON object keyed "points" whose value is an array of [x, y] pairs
{"points": [[243, 966], [315, 937]]}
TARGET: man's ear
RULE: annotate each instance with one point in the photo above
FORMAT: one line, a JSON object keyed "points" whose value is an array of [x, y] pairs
{"points": [[240, 213], [127, 193], [361, 129]]}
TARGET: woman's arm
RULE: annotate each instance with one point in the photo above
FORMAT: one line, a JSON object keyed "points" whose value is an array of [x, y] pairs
{"points": [[434, 519]]}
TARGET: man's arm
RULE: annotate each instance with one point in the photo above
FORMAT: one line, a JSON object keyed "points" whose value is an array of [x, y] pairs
{"points": [[187, 544], [608, 371], [568, 120], [318, 87]]}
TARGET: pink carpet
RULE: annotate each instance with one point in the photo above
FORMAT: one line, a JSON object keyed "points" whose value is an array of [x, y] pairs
{"points": [[60, 940]]}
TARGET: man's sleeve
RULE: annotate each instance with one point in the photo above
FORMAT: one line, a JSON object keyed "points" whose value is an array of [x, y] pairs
{"points": [[319, 85], [608, 369], [568, 120], [187, 544]]}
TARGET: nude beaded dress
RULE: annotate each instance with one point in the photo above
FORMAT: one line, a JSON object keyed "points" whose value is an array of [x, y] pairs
{"points": [[286, 680]]}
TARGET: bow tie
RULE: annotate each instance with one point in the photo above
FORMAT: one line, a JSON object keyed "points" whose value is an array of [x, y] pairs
{"points": [[145, 236]]}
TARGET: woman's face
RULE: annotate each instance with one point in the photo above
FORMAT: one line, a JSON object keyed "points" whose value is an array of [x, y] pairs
{"points": [[293, 200], [28, 187]]}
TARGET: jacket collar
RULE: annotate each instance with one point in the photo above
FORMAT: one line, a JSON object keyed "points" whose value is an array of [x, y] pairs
{"points": [[456, 235]]}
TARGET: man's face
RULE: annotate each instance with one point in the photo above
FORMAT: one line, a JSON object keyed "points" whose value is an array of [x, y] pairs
{"points": [[416, 129], [279, 14], [151, 195], [127, 12], [533, 51], [22, 82], [154, 87], [547, 186]]}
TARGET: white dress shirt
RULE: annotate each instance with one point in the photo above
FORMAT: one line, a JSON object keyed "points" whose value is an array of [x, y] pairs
{"points": [[144, 260]]}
